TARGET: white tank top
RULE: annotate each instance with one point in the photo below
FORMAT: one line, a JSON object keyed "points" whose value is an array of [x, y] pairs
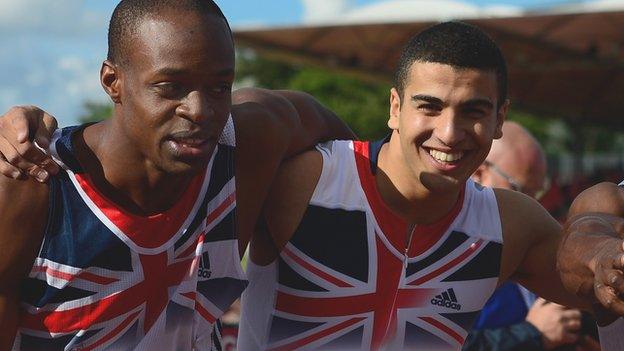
{"points": [[346, 281]]}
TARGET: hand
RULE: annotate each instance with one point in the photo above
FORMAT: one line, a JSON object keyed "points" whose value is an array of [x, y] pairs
{"points": [[20, 128], [608, 275], [558, 324]]}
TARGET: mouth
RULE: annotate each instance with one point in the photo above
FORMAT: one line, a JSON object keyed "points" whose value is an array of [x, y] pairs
{"points": [[445, 161], [190, 145]]}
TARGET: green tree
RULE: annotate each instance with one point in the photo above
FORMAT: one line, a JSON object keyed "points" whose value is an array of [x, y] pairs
{"points": [[95, 112]]}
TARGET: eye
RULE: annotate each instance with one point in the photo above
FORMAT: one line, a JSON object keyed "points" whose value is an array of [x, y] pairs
{"points": [[169, 89], [475, 112], [222, 89], [429, 109]]}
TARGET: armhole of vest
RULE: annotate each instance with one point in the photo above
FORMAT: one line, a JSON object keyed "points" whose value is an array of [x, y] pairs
{"points": [[51, 221], [494, 212], [327, 155], [489, 209]]}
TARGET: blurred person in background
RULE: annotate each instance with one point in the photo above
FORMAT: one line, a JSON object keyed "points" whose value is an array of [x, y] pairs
{"points": [[513, 318]]}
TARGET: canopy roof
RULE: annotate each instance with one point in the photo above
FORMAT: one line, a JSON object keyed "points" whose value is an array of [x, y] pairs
{"points": [[566, 62]]}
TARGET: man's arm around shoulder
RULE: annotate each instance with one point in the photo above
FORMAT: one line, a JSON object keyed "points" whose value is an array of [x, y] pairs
{"points": [[24, 212], [591, 257]]}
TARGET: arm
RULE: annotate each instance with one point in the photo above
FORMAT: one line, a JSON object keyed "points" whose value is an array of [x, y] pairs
{"points": [[23, 205], [591, 257], [285, 205], [302, 119], [270, 127], [530, 240], [20, 127]]}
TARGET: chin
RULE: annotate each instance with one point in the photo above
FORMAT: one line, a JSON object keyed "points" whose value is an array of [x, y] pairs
{"points": [[183, 167]]}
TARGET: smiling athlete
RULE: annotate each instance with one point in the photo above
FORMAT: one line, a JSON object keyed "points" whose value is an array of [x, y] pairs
{"points": [[390, 244]]}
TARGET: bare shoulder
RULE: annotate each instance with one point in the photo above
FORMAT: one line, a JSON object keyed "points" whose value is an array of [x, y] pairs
{"points": [[525, 225], [23, 205], [516, 207], [607, 198]]}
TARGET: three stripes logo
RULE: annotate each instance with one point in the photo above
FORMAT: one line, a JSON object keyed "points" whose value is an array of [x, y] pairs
{"points": [[447, 299], [204, 266]]}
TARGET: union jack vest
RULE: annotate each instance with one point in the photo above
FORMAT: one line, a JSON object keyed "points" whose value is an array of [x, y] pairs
{"points": [[105, 279], [347, 280]]}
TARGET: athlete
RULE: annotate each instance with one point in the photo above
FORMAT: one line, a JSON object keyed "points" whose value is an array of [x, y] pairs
{"points": [[390, 244], [513, 318], [591, 257], [136, 243]]}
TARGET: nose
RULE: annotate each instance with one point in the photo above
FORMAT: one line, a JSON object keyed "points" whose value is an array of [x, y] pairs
{"points": [[449, 129], [196, 107]]}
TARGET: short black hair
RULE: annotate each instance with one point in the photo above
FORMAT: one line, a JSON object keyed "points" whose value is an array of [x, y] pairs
{"points": [[456, 44], [129, 13]]}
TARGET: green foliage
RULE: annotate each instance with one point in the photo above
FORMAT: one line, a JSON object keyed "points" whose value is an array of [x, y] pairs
{"points": [[95, 112], [362, 105]]}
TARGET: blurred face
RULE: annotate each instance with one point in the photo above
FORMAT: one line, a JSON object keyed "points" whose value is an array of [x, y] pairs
{"points": [[516, 173], [446, 119], [175, 89]]}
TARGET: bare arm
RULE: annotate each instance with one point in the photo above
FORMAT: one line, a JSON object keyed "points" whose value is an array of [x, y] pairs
{"points": [[270, 127], [530, 240], [591, 258], [285, 205], [22, 204], [304, 120]]}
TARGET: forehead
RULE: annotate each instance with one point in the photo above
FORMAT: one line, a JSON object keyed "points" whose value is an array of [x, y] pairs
{"points": [[445, 81], [182, 41]]}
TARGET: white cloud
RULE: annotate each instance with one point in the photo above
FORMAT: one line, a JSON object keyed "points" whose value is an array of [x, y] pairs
{"points": [[58, 17], [589, 6], [322, 10], [340, 12]]}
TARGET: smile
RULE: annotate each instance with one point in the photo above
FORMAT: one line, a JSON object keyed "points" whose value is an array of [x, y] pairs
{"points": [[441, 156]]}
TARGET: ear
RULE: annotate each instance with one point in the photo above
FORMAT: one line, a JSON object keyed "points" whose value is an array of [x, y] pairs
{"points": [[109, 78], [501, 116], [395, 109], [477, 176]]}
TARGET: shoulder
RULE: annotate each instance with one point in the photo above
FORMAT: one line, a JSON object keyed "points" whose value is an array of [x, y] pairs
{"points": [[254, 106], [23, 205], [523, 219]]}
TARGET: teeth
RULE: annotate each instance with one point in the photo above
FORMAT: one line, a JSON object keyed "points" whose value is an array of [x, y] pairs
{"points": [[444, 157], [190, 142]]}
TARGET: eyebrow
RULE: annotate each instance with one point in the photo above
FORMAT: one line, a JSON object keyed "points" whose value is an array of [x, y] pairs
{"points": [[437, 101], [169, 71], [427, 98]]}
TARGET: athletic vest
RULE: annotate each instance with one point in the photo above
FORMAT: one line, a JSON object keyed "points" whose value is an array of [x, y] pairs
{"points": [[347, 281], [105, 279]]}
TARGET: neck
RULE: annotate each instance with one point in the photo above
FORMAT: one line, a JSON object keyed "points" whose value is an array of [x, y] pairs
{"points": [[405, 194], [121, 172]]}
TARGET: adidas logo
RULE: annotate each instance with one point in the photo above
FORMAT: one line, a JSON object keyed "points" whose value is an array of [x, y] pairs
{"points": [[204, 266], [446, 299]]}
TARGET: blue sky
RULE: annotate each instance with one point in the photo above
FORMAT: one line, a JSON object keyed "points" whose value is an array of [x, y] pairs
{"points": [[51, 51]]}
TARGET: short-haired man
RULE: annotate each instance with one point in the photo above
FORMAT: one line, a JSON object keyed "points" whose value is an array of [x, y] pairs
{"points": [[390, 244], [134, 243]]}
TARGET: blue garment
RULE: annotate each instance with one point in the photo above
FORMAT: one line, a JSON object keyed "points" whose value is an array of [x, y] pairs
{"points": [[508, 305]]}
